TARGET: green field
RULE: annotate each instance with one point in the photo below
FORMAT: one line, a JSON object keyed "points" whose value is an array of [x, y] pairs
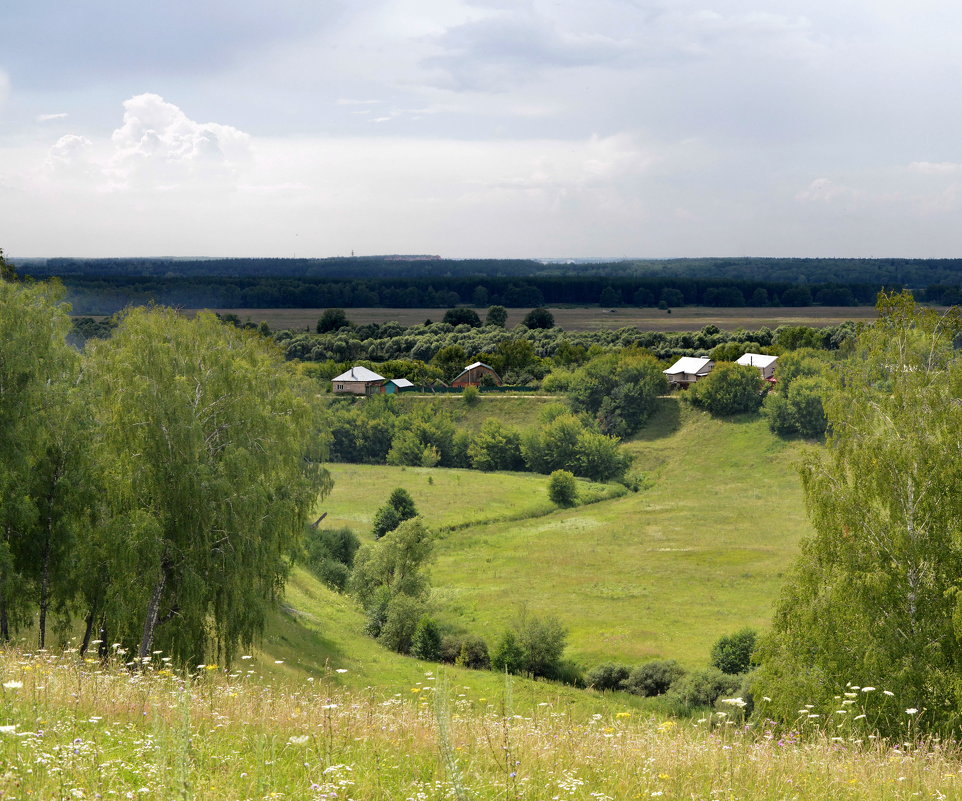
{"points": [[661, 573]]}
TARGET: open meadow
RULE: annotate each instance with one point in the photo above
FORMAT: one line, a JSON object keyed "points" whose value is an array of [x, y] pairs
{"points": [[586, 318], [76, 730]]}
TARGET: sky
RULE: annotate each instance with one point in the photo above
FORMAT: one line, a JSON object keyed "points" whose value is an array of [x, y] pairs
{"points": [[481, 128]]}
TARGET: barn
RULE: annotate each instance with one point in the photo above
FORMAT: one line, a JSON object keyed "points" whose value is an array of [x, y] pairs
{"points": [[473, 374]]}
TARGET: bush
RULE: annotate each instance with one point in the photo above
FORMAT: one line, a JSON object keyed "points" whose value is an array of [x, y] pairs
{"points": [[495, 447], [329, 554], [385, 519], [727, 389], [732, 653], [654, 678], [399, 507], [471, 396], [704, 687], [497, 315], [426, 643], [563, 488], [542, 640], [508, 656], [607, 676], [465, 651]]}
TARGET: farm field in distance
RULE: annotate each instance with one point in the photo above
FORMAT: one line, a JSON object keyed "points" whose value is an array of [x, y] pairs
{"points": [[588, 318]]}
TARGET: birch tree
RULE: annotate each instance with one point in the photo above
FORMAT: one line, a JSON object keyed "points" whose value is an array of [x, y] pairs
{"points": [[212, 458], [876, 597]]}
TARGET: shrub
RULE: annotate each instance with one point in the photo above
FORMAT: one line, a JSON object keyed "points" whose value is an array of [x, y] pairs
{"points": [[430, 456], [704, 687], [495, 447], [334, 574], [470, 396], [654, 678], [399, 507], [329, 554], [563, 488], [426, 643], [732, 653], [473, 654], [385, 519], [508, 656], [542, 641], [607, 676], [727, 389]]}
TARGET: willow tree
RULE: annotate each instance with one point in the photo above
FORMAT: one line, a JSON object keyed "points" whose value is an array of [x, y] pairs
{"points": [[34, 361], [213, 464], [876, 597]]}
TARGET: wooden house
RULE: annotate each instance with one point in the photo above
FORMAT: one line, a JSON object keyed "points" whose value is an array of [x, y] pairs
{"points": [[687, 370], [358, 381], [472, 375], [394, 385]]}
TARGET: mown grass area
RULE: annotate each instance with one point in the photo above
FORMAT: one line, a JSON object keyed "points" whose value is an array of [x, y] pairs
{"points": [[445, 498], [660, 573], [70, 730]]}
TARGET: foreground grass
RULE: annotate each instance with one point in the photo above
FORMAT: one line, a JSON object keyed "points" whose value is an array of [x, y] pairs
{"points": [[74, 730], [660, 573]]}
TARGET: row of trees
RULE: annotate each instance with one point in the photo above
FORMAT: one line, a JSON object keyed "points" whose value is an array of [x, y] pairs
{"points": [[154, 485]]}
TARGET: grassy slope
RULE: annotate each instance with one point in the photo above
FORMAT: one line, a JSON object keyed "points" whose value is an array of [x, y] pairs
{"points": [[660, 573]]}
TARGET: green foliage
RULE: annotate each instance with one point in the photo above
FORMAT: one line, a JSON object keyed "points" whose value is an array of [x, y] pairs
{"points": [[508, 656], [538, 318], [704, 687], [495, 447], [497, 316], [332, 320], [564, 443], [542, 641], [470, 396], [619, 390], [395, 564], [426, 643], [732, 653], [607, 676], [654, 678], [329, 554], [462, 315], [210, 522], [874, 598], [450, 360], [401, 618], [797, 407], [563, 488], [399, 507], [727, 389], [465, 651]]}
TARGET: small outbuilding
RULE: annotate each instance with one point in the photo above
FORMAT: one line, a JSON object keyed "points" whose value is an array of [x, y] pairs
{"points": [[394, 385], [358, 381], [764, 364], [473, 374], [687, 370]]}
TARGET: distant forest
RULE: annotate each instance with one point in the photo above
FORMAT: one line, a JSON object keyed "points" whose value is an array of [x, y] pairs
{"points": [[103, 286]]}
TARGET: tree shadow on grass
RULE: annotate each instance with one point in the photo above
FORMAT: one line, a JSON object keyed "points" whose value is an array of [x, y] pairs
{"points": [[664, 421]]}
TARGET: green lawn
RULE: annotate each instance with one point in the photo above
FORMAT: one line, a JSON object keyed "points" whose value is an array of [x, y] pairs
{"points": [[445, 498], [660, 573]]}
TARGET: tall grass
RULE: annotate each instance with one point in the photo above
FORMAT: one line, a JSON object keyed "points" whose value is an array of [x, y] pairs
{"points": [[85, 730]]}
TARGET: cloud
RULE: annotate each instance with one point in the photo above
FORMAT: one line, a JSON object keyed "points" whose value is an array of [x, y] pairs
{"points": [[4, 85], [936, 167], [70, 157], [51, 117], [158, 146], [824, 190]]}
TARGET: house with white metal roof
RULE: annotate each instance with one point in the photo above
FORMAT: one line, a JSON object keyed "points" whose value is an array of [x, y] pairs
{"points": [[764, 363], [358, 381], [394, 385], [687, 370]]}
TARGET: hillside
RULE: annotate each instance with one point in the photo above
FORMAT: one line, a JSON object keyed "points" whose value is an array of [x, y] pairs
{"points": [[664, 572]]}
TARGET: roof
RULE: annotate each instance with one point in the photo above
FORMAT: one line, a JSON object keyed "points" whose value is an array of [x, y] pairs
{"points": [[359, 373], [690, 364], [477, 364], [756, 360], [401, 382]]}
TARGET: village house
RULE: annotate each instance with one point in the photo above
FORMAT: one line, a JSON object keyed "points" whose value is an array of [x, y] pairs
{"points": [[358, 381], [687, 370], [472, 375], [394, 385], [765, 364]]}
